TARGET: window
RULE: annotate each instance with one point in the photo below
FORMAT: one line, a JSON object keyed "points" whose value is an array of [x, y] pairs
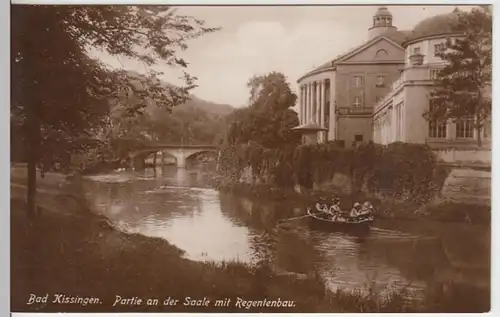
{"points": [[416, 50], [358, 137], [439, 48], [465, 128], [358, 81], [437, 128], [380, 81], [434, 74], [381, 53], [357, 101]]}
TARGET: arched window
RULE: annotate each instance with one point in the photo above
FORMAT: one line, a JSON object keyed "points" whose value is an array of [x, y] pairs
{"points": [[381, 53]]}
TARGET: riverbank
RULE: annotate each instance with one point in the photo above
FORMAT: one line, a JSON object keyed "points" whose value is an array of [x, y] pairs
{"points": [[69, 250], [436, 210], [82, 255]]}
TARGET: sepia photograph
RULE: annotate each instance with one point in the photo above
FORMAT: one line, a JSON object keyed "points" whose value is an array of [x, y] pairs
{"points": [[251, 158]]}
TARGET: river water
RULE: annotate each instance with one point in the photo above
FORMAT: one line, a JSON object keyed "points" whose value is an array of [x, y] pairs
{"points": [[179, 206]]}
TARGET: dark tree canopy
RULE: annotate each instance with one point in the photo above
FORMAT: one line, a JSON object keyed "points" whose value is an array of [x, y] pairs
{"points": [[464, 84], [69, 92], [61, 97], [269, 118]]}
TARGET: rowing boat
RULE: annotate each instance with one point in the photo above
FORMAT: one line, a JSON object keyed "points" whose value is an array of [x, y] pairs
{"points": [[344, 222]]}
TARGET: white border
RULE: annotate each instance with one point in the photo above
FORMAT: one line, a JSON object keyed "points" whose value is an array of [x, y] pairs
{"points": [[5, 159], [259, 2], [5, 139]]}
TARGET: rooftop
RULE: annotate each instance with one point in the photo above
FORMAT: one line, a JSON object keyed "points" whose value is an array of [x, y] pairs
{"points": [[436, 25]]}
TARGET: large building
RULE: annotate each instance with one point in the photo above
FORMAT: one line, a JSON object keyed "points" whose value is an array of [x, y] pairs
{"points": [[399, 116], [336, 100], [380, 90]]}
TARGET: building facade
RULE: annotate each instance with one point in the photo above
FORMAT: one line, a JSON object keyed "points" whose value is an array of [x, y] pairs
{"points": [[340, 95], [399, 116]]}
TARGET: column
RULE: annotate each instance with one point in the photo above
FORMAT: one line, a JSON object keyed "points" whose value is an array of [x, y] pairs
{"points": [[318, 101], [394, 121], [301, 104], [309, 103], [306, 91], [321, 110], [314, 102], [322, 103], [304, 104]]}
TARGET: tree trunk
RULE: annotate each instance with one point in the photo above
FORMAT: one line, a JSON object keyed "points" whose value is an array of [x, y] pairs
{"points": [[478, 136], [162, 162], [478, 130]]}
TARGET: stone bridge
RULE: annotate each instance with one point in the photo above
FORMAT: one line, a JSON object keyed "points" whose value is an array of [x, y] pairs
{"points": [[180, 152]]}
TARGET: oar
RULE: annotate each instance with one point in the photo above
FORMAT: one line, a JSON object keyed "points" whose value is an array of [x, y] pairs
{"points": [[294, 218]]}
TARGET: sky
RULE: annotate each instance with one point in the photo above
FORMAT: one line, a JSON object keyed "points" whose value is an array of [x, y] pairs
{"points": [[259, 39]]}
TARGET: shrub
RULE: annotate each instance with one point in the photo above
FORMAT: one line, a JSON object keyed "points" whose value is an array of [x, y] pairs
{"points": [[400, 170]]}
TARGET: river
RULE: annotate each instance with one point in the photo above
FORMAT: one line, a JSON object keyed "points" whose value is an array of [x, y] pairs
{"points": [[179, 206]]}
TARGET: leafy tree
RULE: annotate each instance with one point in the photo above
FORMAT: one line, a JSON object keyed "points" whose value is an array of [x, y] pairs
{"points": [[269, 118], [464, 84], [60, 96]]}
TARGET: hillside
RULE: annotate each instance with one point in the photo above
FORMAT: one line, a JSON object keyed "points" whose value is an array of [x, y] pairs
{"points": [[194, 102], [197, 121], [206, 106]]}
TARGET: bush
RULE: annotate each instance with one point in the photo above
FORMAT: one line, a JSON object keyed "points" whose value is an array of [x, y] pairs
{"points": [[399, 170]]}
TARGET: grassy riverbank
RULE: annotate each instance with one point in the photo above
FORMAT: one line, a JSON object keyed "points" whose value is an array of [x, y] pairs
{"points": [[84, 256], [69, 250], [386, 208]]}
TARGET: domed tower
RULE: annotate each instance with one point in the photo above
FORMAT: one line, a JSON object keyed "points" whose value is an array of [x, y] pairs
{"points": [[382, 23]]}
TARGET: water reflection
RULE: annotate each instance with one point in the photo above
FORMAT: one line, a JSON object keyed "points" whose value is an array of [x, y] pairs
{"points": [[176, 205]]}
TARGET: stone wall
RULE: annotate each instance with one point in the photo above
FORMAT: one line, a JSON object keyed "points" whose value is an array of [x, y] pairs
{"points": [[451, 155], [463, 185], [340, 183], [467, 185]]}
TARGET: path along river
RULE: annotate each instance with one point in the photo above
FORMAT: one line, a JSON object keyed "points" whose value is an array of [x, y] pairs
{"points": [[177, 205]]}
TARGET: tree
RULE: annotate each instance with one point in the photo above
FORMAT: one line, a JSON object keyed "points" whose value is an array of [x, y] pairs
{"points": [[60, 96], [464, 84], [268, 120]]}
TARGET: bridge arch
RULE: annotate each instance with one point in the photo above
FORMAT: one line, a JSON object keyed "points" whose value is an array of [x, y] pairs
{"points": [[192, 155], [179, 152], [181, 155]]}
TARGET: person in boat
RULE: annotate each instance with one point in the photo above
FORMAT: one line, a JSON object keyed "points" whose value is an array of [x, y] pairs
{"points": [[366, 208], [335, 207], [356, 210], [321, 206], [334, 210]]}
